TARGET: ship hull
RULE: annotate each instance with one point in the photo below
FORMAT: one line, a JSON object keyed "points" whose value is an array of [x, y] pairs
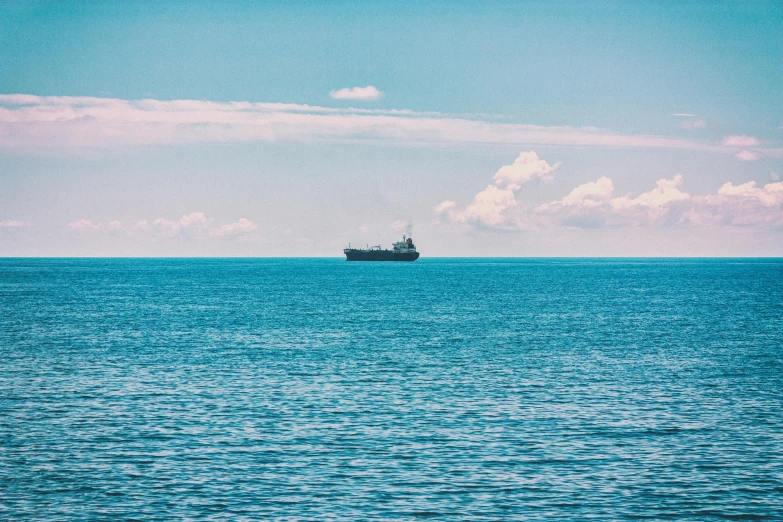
{"points": [[379, 255]]}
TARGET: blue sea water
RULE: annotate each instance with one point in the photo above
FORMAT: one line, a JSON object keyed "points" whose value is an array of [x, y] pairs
{"points": [[476, 389]]}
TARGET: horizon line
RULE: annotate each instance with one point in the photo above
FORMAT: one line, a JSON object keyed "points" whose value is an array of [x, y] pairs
{"points": [[772, 257]]}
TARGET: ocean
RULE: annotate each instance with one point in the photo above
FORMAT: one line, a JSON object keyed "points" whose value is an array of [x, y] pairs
{"points": [[452, 389]]}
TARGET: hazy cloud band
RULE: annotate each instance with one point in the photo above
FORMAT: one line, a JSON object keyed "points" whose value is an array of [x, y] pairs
{"points": [[28, 121]]}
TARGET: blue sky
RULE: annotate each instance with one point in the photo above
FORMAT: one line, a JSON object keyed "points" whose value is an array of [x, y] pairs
{"points": [[119, 135]]}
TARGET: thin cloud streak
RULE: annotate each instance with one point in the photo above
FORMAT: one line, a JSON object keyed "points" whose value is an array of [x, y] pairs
{"points": [[13, 223], [38, 122], [356, 93]]}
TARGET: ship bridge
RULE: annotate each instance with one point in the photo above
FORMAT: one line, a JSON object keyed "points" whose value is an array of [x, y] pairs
{"points": [[406, 245]]}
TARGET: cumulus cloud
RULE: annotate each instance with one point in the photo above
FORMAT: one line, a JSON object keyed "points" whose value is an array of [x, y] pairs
{"points": [[594, 204], [769, 196], [490, 206], [583, 207], [665, 192], [740, 205], [444, 207], [195, 225], [445, 210], [241, 227], [192, 226], [85, 225], [13, 223], [35, 122], [356, 93], [589, 194], [526, 167]]}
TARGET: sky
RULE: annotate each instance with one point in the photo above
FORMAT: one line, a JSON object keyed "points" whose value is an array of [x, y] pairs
{"points": [[295, 128]]}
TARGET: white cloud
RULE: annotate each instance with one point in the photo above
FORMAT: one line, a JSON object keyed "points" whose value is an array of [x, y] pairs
{"points": [[593, 204], [740, 205], [666, 205], [356, 93], [444, 207], [193, 226], [665, 192], [36, 122], [13, 223], [84, 225], [770, 195], [488, 207], [240, 227], [445, 211], [684, 115], [589, 194], [747, 155], [491, 207], [583, 207], [525, 168], [740, 141], [743, 142]]}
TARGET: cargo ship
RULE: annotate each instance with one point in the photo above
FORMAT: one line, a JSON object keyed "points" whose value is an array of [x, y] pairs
{"points": [[403, 250]]}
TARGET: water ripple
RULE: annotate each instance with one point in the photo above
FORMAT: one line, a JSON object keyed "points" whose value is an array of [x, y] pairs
{"points": [[446, 389]]}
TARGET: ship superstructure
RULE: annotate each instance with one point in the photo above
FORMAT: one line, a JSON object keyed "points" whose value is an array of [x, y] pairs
{"points": [[403, 250]]}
